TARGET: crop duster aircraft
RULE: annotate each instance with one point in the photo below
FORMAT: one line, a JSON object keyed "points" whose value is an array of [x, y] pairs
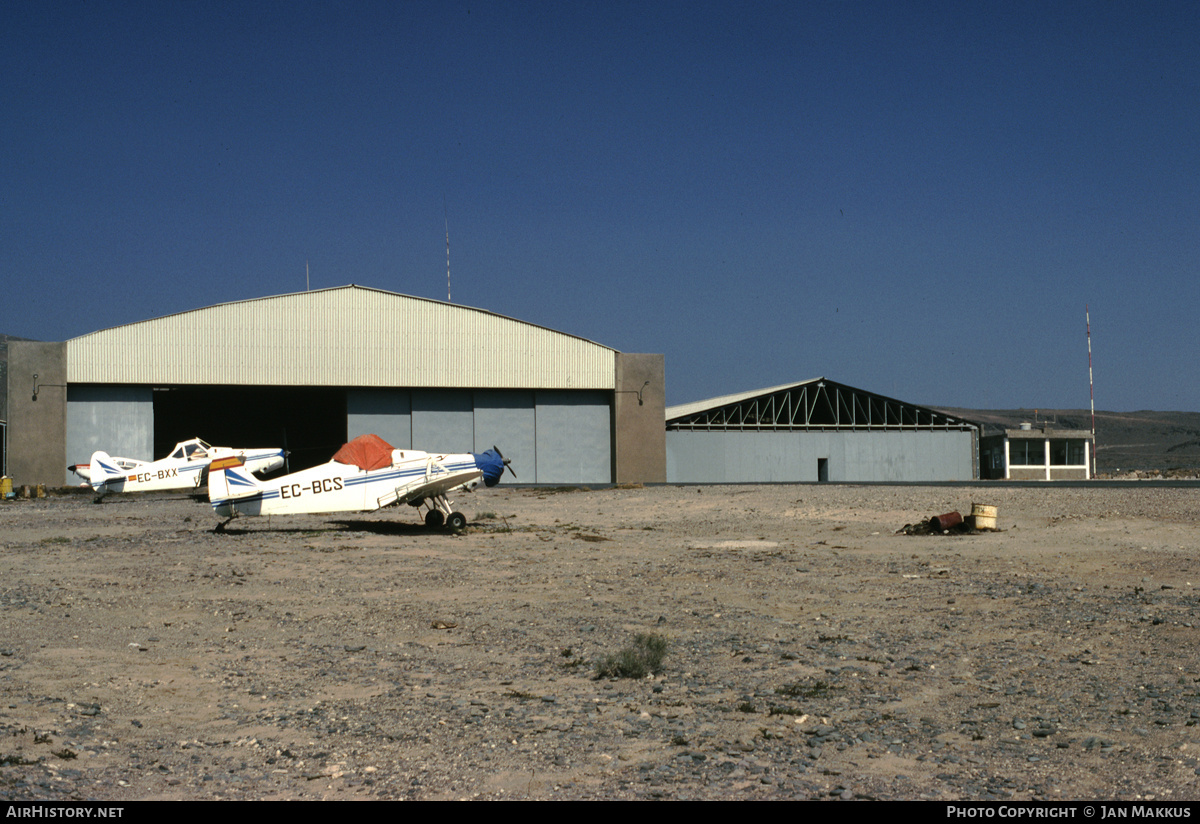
{"points": [[365, 474], [185, 468]]}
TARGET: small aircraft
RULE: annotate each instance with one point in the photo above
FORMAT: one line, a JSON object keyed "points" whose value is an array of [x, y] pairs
{"points": [[364, 475], [185, 468]]}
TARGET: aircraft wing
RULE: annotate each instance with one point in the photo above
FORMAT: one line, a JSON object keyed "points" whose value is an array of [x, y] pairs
{"points": [[419, 488]]}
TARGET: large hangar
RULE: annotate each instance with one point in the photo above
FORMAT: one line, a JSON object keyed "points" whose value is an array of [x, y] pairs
{"points": [[313, 369], [816, 430]]}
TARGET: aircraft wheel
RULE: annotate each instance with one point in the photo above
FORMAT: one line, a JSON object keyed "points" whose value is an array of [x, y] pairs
{"points": [[456, 521], [434, 518]]}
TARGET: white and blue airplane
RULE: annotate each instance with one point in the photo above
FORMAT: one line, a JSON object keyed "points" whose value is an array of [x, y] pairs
{"points": [[365, 474], [185, 468]]}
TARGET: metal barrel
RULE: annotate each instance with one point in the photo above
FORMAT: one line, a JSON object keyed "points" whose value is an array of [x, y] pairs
{"points": [[946, 521], [984, 516]]}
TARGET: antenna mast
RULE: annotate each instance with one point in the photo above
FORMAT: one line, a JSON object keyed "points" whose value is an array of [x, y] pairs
{"points": [[306, 286], [1091, 388], [447, 215]]}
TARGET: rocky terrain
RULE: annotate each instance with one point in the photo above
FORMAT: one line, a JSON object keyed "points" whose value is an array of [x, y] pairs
{"points": [[813, 652]]}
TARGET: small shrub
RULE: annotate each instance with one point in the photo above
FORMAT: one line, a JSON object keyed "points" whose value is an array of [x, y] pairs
{"points": [[777, 710], [643, 658], [16, 761], [811, 689]]}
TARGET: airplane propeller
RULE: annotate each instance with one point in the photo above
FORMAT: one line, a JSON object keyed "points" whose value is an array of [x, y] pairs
{"points": [[287, 453], [507, 461]]}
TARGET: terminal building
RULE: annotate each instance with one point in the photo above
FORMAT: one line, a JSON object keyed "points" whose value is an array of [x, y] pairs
{"points": [[1042, 454]]}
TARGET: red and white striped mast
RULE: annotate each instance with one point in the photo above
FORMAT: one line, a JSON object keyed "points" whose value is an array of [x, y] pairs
{"points": [[1091, 387]]}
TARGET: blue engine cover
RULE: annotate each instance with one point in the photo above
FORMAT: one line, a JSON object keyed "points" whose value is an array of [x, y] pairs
{"points": [[492, 464]]}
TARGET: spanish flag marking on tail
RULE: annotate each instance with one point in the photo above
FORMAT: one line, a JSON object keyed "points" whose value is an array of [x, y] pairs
{"points": [[225, 463]]}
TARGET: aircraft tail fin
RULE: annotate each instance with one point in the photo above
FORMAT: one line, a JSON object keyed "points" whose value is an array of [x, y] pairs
{"points": [[227, 478], [102, 470]]}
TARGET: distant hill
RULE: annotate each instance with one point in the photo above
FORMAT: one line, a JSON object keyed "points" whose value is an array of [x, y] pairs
{"points": [[1124, 440]]}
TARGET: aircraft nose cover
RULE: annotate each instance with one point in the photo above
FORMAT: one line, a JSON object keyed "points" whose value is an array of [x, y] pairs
{"points": [[492, 465]]}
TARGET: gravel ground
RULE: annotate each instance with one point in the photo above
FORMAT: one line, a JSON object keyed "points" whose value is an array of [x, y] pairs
{"points": [[814, 653]]}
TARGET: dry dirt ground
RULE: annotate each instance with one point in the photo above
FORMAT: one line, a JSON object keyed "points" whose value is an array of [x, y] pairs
{"points": [[814, 653]]}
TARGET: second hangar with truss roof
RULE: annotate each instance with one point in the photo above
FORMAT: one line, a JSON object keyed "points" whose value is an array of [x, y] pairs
{"points": [[816, 430]]}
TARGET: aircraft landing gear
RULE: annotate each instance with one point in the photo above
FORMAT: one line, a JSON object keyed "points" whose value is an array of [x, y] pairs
{"points": [[440, 514]]}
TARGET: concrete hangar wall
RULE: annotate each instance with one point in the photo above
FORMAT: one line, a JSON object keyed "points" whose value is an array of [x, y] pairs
{"points": [[816, 430], [313, 369]]}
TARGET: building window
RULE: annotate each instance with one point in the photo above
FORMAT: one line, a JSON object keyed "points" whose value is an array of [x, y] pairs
{"points": [[993, 458], [1026, 453], [1067, 453], [1058, 453], [1076, 450]]}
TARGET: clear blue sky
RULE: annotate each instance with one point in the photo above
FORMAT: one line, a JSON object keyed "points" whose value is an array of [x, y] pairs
{"points": [[913, 198]]}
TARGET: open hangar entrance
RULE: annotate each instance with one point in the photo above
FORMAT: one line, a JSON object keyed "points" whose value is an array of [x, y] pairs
{"points": [[552, 436], [309, 422]]}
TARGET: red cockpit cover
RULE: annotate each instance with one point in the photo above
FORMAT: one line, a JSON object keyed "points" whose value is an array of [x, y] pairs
{"points": [[366, 452]]}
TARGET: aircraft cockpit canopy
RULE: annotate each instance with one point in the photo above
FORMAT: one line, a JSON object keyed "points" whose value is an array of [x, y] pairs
{"points": [[193, 450]]}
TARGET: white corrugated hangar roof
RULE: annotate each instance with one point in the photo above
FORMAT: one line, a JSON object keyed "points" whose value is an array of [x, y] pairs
{"points": [[343, 336]]}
